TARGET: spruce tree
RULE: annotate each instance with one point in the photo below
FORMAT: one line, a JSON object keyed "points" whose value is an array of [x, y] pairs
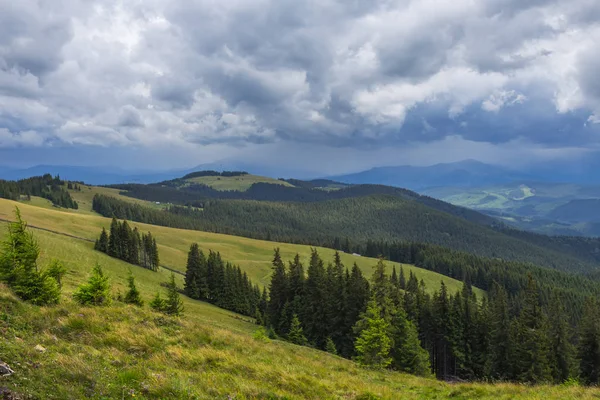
{"points": [[278, 291], [133, 294], [402, 279], [173, 303], [296, 334], [192, 274], [356, 302], [315, 318], [530, 337], [96, 292], [158, 303], [103, 241], [589, 343], [330, 346], [373, 343], [18, 266], [154, 256], [561, 354], [499, 364], [114, 238]]}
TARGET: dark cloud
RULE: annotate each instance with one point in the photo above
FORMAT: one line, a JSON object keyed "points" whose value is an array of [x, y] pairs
{"points": [[343, 74]]}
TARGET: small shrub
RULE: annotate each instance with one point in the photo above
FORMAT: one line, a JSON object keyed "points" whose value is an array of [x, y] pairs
{"points": [[261, 335], [56, 270], [158, 303], [96, 292], [133, 294]]}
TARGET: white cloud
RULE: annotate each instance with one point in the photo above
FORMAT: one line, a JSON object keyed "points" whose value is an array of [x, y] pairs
{"points": [[115, 72]]}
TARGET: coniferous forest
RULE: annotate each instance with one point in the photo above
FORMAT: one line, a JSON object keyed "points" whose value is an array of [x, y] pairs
{"points": [[209, 278], [391, 321], [128, 245], [46, 186]]}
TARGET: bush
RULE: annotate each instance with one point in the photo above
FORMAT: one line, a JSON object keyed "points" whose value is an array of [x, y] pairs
{"points": [[261, 335], [18, 266], [133, 294], [158, 303], [96, 292]]}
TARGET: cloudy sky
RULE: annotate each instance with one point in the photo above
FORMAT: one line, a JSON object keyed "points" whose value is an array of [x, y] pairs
{"points": [[317, 85]]}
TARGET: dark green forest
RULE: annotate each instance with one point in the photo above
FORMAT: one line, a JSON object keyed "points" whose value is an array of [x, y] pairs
{"points": [[128, 245], [392, 321], [48, 187], [375, 218]]}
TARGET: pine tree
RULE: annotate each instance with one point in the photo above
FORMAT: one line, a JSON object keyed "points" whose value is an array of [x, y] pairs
{"points": [[561, 354], [133, 294], [531, 340], [103, 242], [278, 291], [133, 256], [589, 343], [315, 318], [373, 343], [296, 334], [499, 364], [18, 266], [394, 277], [356, 302], [442, 355], [336, 300], [114, 238], [154, 256], [407, 354], [56, 270], [296, 284], [96, 292], [193, 272], [330, 346], [158, 303], [402, 279], [173, 303]]}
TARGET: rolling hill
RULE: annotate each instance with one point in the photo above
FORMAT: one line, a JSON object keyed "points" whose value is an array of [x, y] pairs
{"points": [[253, 256], [120, 351]]}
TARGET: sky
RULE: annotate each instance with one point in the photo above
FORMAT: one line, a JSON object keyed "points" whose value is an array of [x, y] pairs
{"points": [[323, 86]]}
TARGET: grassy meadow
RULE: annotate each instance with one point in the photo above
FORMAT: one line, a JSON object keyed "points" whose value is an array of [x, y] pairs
{"points": [[124, 352], [253, 256], [240, 183]]}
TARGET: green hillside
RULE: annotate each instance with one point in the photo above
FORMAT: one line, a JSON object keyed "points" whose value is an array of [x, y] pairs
{"points": [[253, 256], [120, 351], [239, 183]]}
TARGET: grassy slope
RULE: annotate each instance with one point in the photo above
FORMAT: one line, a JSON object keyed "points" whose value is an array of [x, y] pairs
{"points": [[241, 183], [253, 256], [125, 352]]}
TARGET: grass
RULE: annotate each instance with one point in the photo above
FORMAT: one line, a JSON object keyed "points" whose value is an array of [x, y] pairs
{"points": [[121, 351], [253, 256], [240, 183]]}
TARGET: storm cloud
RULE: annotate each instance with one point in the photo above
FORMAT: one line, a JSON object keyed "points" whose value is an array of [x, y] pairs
{"points": [[330, 73]]}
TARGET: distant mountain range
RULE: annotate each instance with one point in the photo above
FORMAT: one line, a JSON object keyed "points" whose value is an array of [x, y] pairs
{"points": [[470, 173]]}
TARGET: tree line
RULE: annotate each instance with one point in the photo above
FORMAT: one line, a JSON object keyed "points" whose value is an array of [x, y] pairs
{"points": [[209, 278], [46, 186], [391, 218], [393, 322], [128, 245], [481, 271]]}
